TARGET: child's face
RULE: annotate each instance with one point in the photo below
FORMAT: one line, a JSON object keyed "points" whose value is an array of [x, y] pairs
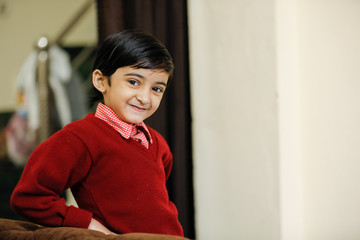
{"points": [[134, 94]]}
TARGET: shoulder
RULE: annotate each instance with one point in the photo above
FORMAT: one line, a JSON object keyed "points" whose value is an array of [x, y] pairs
{"points": [[66, 139], [88, 125], [89, 119]]}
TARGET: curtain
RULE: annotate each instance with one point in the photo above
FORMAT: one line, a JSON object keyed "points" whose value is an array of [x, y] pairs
{"points": [[166, 20]]}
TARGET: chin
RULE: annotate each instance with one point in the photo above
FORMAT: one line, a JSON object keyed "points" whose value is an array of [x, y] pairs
{"points": [[133, 121]]}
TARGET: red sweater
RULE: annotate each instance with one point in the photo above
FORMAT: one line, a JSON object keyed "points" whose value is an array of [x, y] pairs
{"points": [[114, 180]]}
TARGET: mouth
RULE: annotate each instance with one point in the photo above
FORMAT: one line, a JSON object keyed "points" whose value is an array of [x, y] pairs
{"points": [[137, 108]]}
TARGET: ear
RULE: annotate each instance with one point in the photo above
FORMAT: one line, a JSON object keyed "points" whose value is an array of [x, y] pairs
{"points": [[99, 80]]}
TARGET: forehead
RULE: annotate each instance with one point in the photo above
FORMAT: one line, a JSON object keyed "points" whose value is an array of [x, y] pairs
{"points": [[146, 74]]}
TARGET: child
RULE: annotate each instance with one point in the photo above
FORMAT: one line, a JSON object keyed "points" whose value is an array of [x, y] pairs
{"points": [[115, 165]]}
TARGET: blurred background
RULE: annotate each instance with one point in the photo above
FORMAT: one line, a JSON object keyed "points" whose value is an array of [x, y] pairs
{"points": [[71, 28], [266, 129]]}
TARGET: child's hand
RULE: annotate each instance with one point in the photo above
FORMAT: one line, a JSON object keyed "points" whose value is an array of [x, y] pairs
{"points": [[97, 226]]}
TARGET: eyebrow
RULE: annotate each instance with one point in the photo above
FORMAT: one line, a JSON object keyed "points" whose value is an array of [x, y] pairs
{"points": [[142, 77], [135, 74]]}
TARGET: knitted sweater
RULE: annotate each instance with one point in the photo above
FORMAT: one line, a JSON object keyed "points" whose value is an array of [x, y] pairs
{"points": [[114, 180]]}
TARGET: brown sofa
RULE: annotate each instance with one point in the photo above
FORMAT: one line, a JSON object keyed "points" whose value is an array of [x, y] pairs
{"points": [[21, 230]]}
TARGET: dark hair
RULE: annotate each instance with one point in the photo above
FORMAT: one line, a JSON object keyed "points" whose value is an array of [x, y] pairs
{"points": [[131, 48]]}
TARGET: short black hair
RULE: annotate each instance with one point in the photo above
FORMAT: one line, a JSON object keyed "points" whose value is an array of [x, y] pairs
{"points": [[131, 48]]}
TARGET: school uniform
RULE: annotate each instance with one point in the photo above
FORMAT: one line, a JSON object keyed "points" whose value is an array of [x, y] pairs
{"points": [[116, 171]]}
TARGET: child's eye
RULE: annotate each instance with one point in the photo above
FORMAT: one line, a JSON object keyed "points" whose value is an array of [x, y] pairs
{"points": [[133, 82], [158, 89]]}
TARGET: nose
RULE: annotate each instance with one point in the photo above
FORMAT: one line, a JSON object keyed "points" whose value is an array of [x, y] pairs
{"points": [[143, 97]]}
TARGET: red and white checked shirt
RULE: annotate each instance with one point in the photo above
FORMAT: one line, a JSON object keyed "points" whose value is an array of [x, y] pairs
{"points": [[125, 129]]}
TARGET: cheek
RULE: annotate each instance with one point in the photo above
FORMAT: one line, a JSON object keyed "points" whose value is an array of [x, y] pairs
{"points": [[124, 96], [156, 102]]}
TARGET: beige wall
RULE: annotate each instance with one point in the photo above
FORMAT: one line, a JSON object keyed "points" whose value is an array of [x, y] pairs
{"points": [[276, 118], [329, 55], [23, 23], [233, 83]]}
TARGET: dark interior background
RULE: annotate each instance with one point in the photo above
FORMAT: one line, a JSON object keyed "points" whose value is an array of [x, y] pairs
{"points": [[166, 20]]}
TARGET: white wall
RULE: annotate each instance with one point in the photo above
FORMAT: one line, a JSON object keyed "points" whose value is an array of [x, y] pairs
{"points": [[276, 118], [233, 82], [289, 105], [329, 55], [23, 23]]}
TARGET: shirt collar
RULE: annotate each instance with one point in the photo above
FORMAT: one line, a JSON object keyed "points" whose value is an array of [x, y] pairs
{"points": [[126, 130]]}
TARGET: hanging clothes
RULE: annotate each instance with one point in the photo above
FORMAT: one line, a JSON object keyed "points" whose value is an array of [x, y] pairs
{"points": [[69, 98], [20, 142], [60, 74]]}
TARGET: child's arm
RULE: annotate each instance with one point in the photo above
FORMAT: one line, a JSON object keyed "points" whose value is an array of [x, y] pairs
{"points": [[54, 166], [167, 162], [165, 154]]}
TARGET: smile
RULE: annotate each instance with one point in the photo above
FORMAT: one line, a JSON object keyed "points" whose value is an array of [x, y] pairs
{"points": [[137, 108]]}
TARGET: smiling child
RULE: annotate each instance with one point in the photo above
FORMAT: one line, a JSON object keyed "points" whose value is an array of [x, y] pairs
{"points": [[115, 165]]}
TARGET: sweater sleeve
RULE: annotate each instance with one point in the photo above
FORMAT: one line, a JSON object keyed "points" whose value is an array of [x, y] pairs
{"points": [[165, 154], [167, 161], [57, 164]]}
